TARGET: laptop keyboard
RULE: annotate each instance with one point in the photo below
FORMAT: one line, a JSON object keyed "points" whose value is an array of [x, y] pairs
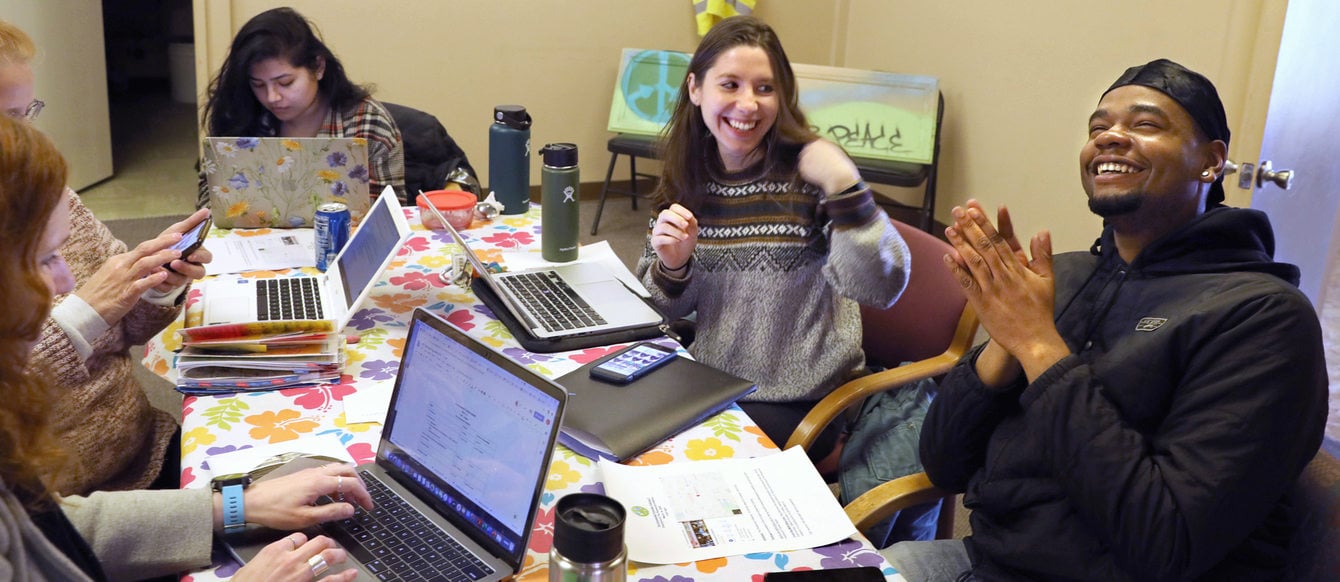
{"points": [[551, 301], [395, 541], [288, 298]]}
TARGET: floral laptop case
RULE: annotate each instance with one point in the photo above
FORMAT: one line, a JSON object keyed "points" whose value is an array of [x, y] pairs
{"points": [[278, 182]]}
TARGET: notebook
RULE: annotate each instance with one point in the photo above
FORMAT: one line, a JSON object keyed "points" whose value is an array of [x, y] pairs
{"points": [[582, 298], [334, 295], [618, 422], [277, 182], [466, 445]]}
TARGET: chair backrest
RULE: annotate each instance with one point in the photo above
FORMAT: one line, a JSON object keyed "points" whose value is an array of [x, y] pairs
{"points": [[1314, 553], [430, 152], [922, 323]]}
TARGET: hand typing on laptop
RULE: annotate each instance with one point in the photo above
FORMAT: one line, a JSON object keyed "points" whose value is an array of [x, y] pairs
{"points": [[290, 503]]}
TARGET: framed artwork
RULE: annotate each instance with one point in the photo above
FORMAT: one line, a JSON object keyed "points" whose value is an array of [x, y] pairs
{"points": [[871, 114]]}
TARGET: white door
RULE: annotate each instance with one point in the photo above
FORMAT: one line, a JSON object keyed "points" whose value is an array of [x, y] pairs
{"points": [[1300, 126], [71, 74]]}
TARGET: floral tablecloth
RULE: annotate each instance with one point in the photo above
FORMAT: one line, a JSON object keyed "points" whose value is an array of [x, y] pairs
{"points": [[218, 424]]}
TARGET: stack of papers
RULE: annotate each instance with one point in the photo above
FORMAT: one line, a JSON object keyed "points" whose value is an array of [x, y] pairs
{"points": [[258, 356]]}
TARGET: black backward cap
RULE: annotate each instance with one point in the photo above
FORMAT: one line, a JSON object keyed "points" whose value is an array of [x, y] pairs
{"points": [[1195, 93]]}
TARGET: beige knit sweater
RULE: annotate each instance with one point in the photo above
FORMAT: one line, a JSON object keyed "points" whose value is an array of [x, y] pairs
{"points": [[116, 440]]}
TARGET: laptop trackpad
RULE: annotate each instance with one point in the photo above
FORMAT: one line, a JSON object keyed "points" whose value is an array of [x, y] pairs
{"points": [[585, 272]]}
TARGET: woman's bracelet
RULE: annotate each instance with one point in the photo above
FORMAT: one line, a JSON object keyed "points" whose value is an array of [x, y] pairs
{"points": [[859, 186], [679, 269]]}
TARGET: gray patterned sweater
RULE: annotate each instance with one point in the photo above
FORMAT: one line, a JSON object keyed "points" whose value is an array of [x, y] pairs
{"points": [[776, 279]]}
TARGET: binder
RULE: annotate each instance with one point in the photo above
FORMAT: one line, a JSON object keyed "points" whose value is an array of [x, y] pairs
{"points": [[618, 422]]}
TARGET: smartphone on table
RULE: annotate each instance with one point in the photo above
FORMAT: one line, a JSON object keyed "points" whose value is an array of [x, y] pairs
{"points": [[192, 240], [856, 574], [632, 362]]}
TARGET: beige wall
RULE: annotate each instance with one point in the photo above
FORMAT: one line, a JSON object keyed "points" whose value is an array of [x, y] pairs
{"points": [[1019, 78], [458, 59], [71, 77]]}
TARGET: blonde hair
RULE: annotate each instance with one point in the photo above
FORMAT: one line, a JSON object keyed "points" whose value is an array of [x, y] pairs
{"points": [[15, 45]]}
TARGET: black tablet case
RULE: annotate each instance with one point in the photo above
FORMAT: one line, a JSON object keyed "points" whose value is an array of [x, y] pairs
{"points": [[628, 419], [563, 344]]}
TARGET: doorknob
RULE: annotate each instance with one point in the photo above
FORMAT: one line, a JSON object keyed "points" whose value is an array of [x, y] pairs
{"points": [[1281, 178], [1245, 178]]}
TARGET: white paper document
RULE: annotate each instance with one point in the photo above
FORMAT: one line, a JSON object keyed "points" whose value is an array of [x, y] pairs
{"points": [[278, 249], [682, 512], [369, 403]]}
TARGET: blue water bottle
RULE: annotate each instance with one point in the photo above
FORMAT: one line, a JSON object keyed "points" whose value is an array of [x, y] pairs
{"points": [[509, 158]]}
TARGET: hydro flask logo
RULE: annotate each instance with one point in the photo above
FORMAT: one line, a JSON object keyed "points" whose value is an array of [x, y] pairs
{"points": [[567, 194]]}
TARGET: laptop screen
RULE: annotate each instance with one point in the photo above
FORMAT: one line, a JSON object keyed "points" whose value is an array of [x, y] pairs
{"points": [[473, 434], [376, 238]]}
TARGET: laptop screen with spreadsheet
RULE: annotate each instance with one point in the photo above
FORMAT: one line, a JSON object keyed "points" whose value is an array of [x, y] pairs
{"points": [[474, 431]]}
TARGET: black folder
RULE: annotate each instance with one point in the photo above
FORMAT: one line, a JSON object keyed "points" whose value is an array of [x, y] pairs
{"points": [[618, 422]]}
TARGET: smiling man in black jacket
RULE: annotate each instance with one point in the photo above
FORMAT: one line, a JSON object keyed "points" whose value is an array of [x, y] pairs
{"points": [[1141, 410]]}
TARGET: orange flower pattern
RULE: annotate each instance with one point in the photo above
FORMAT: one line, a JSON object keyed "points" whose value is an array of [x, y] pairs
{"points": [[279, 426]]}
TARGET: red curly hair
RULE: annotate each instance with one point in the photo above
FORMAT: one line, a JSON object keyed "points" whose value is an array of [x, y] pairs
{"points": [[32, 183]]}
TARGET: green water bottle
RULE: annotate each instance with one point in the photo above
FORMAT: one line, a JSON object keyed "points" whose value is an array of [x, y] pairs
{"points": [[559, 184]]}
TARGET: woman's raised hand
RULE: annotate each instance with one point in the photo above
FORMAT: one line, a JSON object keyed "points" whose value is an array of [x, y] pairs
{"points": [[674, 236]]}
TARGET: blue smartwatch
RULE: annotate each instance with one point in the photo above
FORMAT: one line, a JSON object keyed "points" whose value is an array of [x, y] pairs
{"points": [[234, 510]]}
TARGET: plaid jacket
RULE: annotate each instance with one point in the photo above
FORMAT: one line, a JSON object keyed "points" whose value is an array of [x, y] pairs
{"points": [[386, 152]]}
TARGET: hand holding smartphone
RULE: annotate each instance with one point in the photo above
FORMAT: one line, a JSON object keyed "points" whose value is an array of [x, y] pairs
{"points": [[632, 362], [191, 240]]}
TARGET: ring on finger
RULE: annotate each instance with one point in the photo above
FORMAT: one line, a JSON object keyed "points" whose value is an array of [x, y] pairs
{"points": [[339, 487], [318, 565]]}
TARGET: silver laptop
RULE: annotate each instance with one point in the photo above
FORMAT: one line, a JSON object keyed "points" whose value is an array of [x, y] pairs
{"points": [[461, 465], [277, 182], [334, 295], [564, 300]]}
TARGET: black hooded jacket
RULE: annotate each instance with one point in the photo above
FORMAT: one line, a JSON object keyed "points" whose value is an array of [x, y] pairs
{"points": [[1163, 447]]}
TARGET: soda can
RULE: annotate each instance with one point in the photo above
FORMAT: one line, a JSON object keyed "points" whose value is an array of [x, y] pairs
{"points": [[332, 231]]}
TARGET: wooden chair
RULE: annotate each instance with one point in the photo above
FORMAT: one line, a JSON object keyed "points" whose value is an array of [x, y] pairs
{"points": [[931, 325]]}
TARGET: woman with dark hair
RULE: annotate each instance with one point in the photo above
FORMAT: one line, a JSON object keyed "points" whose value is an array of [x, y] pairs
{"points": [[280, 79], [766, 231], [124, 534]]}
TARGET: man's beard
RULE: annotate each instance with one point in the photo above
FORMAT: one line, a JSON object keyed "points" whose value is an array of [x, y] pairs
{"points": [[1110, 206]]}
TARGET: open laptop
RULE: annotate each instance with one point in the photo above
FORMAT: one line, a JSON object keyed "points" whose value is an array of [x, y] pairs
{"points": [[466, 447], [564, 300], [277, 182], [334, 295]]}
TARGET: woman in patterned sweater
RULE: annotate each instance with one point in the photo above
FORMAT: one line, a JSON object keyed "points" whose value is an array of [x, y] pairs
{"points": [[767, 232], [280, 80]]}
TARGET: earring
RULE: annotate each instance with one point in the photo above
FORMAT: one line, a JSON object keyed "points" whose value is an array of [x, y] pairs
{"points": [[1206, 174]]}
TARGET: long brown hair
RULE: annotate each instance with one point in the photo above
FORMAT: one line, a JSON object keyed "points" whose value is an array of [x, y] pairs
{"points": [[32, 183], [687, 146]]}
